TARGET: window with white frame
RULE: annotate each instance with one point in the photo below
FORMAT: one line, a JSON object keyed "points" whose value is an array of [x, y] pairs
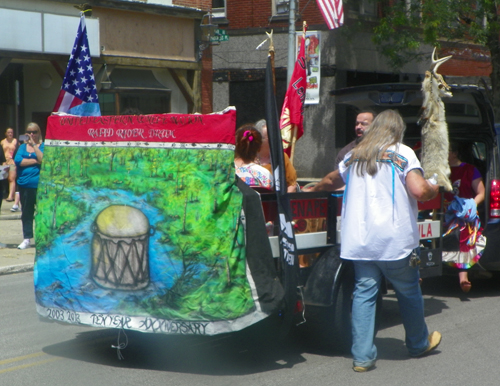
{"points": [[219, 8], [280, 7]]}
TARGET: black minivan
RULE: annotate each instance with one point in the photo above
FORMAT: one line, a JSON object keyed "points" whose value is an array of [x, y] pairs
{"points": [[470, 120]]}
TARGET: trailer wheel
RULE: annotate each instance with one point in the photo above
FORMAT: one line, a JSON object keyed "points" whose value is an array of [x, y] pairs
{"points": [[331, 325], [339, 313], [342, 311]]}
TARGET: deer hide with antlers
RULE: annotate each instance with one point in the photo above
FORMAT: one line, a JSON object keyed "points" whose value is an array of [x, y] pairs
{"points": [[435, 144]]}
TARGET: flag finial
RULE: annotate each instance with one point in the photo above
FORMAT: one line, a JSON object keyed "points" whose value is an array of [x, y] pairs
{"points": [[271, 43], [85, 9]]}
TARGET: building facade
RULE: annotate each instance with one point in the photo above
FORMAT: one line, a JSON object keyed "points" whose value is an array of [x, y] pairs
{"points": [[347, 59], [146, 55]]}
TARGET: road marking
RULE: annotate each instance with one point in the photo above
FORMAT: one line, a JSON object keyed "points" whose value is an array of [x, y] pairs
{"points": [[34, 355], [23, 358], [29, 365]]}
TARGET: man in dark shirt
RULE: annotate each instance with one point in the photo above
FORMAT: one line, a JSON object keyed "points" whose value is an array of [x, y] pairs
{"points": [[363, 120]]}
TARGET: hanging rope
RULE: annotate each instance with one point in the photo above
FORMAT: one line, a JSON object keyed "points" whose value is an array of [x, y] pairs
{"points": [[120, 345]]}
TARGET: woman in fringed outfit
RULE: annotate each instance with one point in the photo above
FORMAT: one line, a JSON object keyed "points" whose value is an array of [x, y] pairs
{"points": [[468, 193]]}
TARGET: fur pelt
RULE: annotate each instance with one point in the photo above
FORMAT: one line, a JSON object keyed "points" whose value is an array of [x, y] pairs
{"points": [[435, 143]]}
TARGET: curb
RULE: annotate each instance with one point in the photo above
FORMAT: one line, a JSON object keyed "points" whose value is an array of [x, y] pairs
{"points": [[10, 217], [16, 269]]}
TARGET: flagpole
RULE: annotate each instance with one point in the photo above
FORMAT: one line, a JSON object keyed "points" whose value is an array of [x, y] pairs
{"points": [[271, 54], [291, 40], [295, 128]]}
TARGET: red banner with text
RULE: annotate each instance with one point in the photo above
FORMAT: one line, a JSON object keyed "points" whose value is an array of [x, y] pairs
{"points": [[173, 128]]}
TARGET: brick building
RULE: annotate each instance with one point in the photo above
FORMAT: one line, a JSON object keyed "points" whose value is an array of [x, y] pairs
{"points": [[238, 69]]}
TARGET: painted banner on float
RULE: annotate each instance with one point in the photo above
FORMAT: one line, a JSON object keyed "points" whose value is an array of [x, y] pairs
{"points": [[138, 225]]}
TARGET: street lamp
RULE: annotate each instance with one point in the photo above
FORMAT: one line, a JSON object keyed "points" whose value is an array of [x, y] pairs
{"points": [[207, 28]]}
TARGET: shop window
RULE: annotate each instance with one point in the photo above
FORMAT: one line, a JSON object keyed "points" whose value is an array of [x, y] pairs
{"points": [[134, 89], [134, 102], [248, 99]]}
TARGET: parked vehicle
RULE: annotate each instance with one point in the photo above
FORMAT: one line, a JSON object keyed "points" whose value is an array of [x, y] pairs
{"points": [[470, 120], [328, 281]]}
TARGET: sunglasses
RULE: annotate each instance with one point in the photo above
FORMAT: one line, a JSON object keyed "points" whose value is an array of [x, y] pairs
{"points": [[32, 132]]}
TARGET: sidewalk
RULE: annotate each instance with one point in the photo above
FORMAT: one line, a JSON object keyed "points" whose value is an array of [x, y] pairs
{"points": [[13, 260]]}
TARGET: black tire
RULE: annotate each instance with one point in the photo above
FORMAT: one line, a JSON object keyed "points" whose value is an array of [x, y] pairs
{"points": [[331, 326], [339, 313]]}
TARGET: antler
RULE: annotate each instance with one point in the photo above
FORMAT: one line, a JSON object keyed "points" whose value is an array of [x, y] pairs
{"points": [[437, 62]]}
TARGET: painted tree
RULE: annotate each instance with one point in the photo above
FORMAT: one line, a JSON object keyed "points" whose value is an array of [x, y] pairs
{"points": [[113, 151], [408, 24], [58, 190], [84, 161]]}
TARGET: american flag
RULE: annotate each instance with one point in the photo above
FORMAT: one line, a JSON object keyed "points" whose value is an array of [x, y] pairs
{"points": [[78, 95], [333, 12]]}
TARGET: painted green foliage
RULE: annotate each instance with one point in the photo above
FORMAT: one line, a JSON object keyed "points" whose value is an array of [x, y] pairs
{"points": [[199, 204]]}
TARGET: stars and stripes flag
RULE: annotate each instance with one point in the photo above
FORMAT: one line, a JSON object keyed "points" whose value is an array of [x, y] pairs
{"points": [[78, 95], [292, 113], [333, 12]]}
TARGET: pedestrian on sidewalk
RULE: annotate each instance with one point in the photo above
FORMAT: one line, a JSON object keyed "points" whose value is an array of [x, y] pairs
{"points": [[3, 175], [17, 201], [9, 145], [17, 197], [28, 160]]}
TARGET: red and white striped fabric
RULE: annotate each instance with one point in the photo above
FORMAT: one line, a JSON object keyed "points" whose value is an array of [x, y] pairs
{"points": [[333, 12]]}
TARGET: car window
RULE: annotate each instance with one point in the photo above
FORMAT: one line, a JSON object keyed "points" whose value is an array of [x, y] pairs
{"points": [[462, 110], [479, 150]]}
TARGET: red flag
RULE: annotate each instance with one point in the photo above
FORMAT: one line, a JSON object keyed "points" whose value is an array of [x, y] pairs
{"points": [[333, 12], [293, 107]]}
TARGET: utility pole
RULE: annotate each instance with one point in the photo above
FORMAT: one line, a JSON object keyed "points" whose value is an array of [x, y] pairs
{"points": [[291, 41]]}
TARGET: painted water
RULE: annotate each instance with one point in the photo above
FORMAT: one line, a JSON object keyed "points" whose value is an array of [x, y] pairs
{"points": [[66, 281]]}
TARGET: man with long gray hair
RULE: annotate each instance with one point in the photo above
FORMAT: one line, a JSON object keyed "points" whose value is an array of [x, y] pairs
{"points": [[383, 181]]}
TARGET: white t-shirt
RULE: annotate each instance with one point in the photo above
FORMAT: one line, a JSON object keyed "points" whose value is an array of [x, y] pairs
{"points": [[379, 217]]}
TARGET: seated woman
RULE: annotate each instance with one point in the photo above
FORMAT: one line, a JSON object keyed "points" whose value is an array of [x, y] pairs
{"points": [[248, 143], [264, 158]]}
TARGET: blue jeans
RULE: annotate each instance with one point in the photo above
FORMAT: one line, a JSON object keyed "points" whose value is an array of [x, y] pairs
{"points": [[368, 276]]}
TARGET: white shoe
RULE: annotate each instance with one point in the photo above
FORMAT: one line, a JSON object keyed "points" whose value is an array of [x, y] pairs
{"points": [[25, 244], [14, 208]]}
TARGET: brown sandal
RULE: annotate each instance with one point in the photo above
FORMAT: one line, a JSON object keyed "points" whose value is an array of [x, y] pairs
{"points": [[465, 286]]}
